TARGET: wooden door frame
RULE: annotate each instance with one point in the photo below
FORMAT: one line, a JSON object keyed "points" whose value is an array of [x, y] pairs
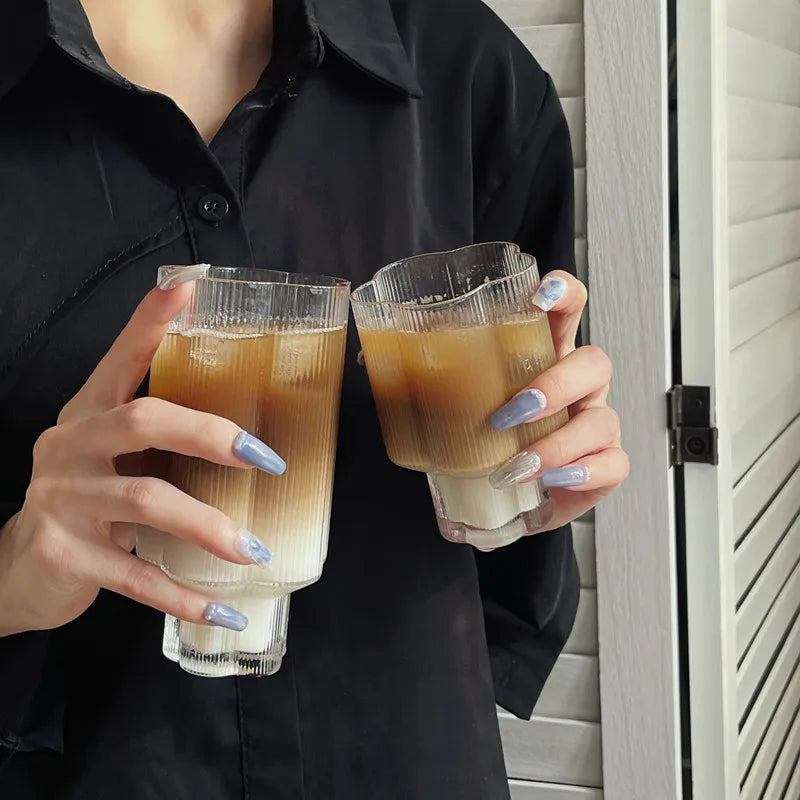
{"points": [[708, 493], [627, 143]]}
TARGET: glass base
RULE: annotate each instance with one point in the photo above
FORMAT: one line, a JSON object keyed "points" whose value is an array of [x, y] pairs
{"points": [[472, 511], [212, 651]]}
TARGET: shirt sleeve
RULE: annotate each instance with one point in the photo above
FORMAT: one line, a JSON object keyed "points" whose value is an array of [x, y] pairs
{"points": [[31, 711], [530, 589]]}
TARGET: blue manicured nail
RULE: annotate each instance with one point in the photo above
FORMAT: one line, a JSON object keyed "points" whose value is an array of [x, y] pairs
{"points": [[260, 455], [565, 477], [175, 276], [252, 547], [225, 617], [525, 406], [550, 291]]}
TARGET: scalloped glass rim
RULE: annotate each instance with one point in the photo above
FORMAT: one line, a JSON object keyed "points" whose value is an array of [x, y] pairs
{"points": [[267, 277], [510, 247]]}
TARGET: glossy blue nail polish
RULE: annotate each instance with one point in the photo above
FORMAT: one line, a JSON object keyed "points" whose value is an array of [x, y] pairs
{"points": [[525, 406], [565, 477], [225, 617], [252, 547], [260, 455], [550, 291]]}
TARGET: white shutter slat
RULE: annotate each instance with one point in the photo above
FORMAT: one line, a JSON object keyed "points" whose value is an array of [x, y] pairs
{"points": [[769, 421], [793, 789], [754, 551], [768, 698], [571, 691], [760, 188], [762, 70], [583, 542], [763, 244], [553, 750], [575, 113], [534, 790], [520, 13], [782, 771], [755, 489], [580, 203], [776, 294], [779, 25], [583, 639], [759, 130], [766, 588], [559, 49], [761, 367], [765, 758], [767, 642]]}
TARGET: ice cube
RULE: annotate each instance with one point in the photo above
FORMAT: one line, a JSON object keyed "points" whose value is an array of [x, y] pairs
{"points": [[208, 350]]}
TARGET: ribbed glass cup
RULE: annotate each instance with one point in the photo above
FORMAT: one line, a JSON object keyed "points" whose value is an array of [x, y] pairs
{"points": [[266, 350], [448, 338]]}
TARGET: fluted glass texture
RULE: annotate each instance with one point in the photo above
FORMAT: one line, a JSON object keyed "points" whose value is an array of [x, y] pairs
{"points": [[448, 338], [266, 350]]}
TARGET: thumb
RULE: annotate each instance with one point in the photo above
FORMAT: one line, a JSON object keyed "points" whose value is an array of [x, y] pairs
{"points": [[564, 298], [123, 367]]}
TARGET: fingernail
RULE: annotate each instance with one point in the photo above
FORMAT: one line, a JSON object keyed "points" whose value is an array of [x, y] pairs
{"points": [[175, 276], [260, 455], [225, 617], [252, 547], [520, 467], [565, 477], [360, 358], [525, 406], [550, 291]]}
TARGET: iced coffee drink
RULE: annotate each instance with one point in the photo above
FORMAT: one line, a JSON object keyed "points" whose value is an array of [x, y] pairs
{"points": [[265, 350], [448, 339]]}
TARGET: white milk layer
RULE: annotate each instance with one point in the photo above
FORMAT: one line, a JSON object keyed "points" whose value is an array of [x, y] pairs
{"points": [[298, 554], [475, 502]]}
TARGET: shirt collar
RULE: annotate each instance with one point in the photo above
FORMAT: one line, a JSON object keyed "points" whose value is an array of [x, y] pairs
{"points": [[363, 32]]}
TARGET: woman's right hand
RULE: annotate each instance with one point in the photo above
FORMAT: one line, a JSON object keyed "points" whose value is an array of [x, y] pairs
{"points": [[76, 529]]}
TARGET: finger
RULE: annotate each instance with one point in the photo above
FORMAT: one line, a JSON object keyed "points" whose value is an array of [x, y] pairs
{"points": [[149, 422], [568, 505], [124, 535], [564, 297], [577, 375], [601, 472], [606, 471], [597, 399], [157, 504], [124, 366], [588, 432], [104, 564]]}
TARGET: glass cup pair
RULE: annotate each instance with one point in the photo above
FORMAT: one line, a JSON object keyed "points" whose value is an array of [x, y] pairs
{"points": [[447, 338]]}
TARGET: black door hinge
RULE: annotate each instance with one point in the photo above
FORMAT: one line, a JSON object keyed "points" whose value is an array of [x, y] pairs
{"points": [[693, 438]]}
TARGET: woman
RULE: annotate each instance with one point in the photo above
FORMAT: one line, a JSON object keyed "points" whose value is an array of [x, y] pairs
{"points": [[327, 136]]}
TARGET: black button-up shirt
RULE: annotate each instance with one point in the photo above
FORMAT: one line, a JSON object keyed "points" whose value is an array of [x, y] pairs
{"points": [[381, 128]]}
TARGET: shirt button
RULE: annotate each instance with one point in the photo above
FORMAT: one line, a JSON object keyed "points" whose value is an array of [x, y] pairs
{"points": [[212, 207]]}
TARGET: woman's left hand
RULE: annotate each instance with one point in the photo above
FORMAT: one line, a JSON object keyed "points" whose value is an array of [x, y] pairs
{"points": [[583, 461]]}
